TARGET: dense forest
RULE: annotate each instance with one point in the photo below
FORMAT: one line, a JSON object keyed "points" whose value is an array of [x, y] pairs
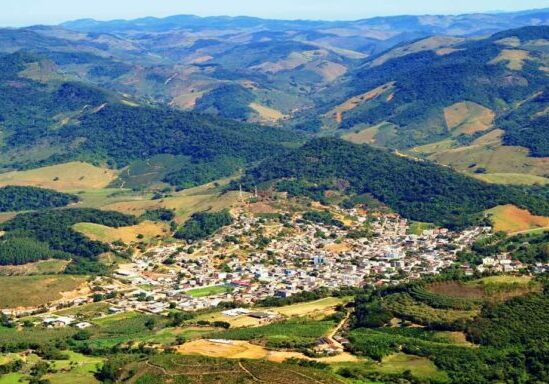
{"points": [[203, 224], [417, 190], [13, 198], [20, 250], [53, 230]]}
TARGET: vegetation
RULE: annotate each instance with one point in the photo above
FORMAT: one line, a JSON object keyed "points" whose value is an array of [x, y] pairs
{"points": [[512, 335], [54, 229], [13, 198], [203, 224], [293, 333], [417, 190]]}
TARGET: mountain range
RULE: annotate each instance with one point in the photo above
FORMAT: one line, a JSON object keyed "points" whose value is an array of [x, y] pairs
{"points": [[183, 101]]}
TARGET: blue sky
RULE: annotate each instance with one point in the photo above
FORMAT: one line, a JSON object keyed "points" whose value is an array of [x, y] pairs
{"points": [[27, 12]]}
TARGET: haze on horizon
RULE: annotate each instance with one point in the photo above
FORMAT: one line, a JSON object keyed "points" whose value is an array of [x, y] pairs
{"points": [[31, 12]]}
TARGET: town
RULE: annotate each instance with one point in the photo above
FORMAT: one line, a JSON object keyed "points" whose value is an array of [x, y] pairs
{"points": [[261, 256]]}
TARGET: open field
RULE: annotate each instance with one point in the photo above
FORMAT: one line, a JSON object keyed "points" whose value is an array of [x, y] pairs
{"points": [[235, 349], [37, 290], [512, 178], [86, 311], [62, 177], [376, 135], [417, 228], [185, 203], [420, 367], [37, 268], [285, 334], [312, 308], [77, 369], [487, 152], [147, 229], [513, 57], [267, 114], [318, 308], [511, 219], [207, 291], [468, 118]]}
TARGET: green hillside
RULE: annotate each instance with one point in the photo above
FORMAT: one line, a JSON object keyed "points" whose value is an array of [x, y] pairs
{"points": [[499, 73], [416, 189]]}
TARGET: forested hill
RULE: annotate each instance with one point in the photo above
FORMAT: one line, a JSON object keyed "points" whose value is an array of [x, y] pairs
{"points": [[417, 190], [426, 79], [54, 121]]}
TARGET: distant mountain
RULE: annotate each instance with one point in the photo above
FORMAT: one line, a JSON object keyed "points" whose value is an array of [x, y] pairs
{"points": [[440, 94], [467, 24], [48, 120]]}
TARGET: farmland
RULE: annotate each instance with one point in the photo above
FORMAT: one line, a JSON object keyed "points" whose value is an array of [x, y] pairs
{"points": [[38, 289], [163, 369]]}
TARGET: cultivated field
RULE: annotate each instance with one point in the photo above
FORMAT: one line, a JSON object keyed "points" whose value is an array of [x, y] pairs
{"points": [[30, 291], [161, 369], [511, 219], [62, 177]]}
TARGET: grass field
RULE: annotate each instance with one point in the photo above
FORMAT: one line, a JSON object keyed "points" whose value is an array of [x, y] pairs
{"points": [[353, 102], [317, 309], [468, 118], [512, 178], [86, 311], [488, 152], [420, 367], [147, 229], [513, 57], [185, 203], [62, 177], [207, 291], [77, 369], [267, 114], [37, 290], [511, 219], [37, 268], [312, 308]]}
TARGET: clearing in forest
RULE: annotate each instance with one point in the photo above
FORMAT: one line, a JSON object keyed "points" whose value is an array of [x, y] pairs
{"points": [[513, 57], [147, 229], [468, 118]]}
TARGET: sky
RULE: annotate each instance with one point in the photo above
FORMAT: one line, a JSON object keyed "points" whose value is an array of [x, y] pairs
{"points": [[29, 12]]}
